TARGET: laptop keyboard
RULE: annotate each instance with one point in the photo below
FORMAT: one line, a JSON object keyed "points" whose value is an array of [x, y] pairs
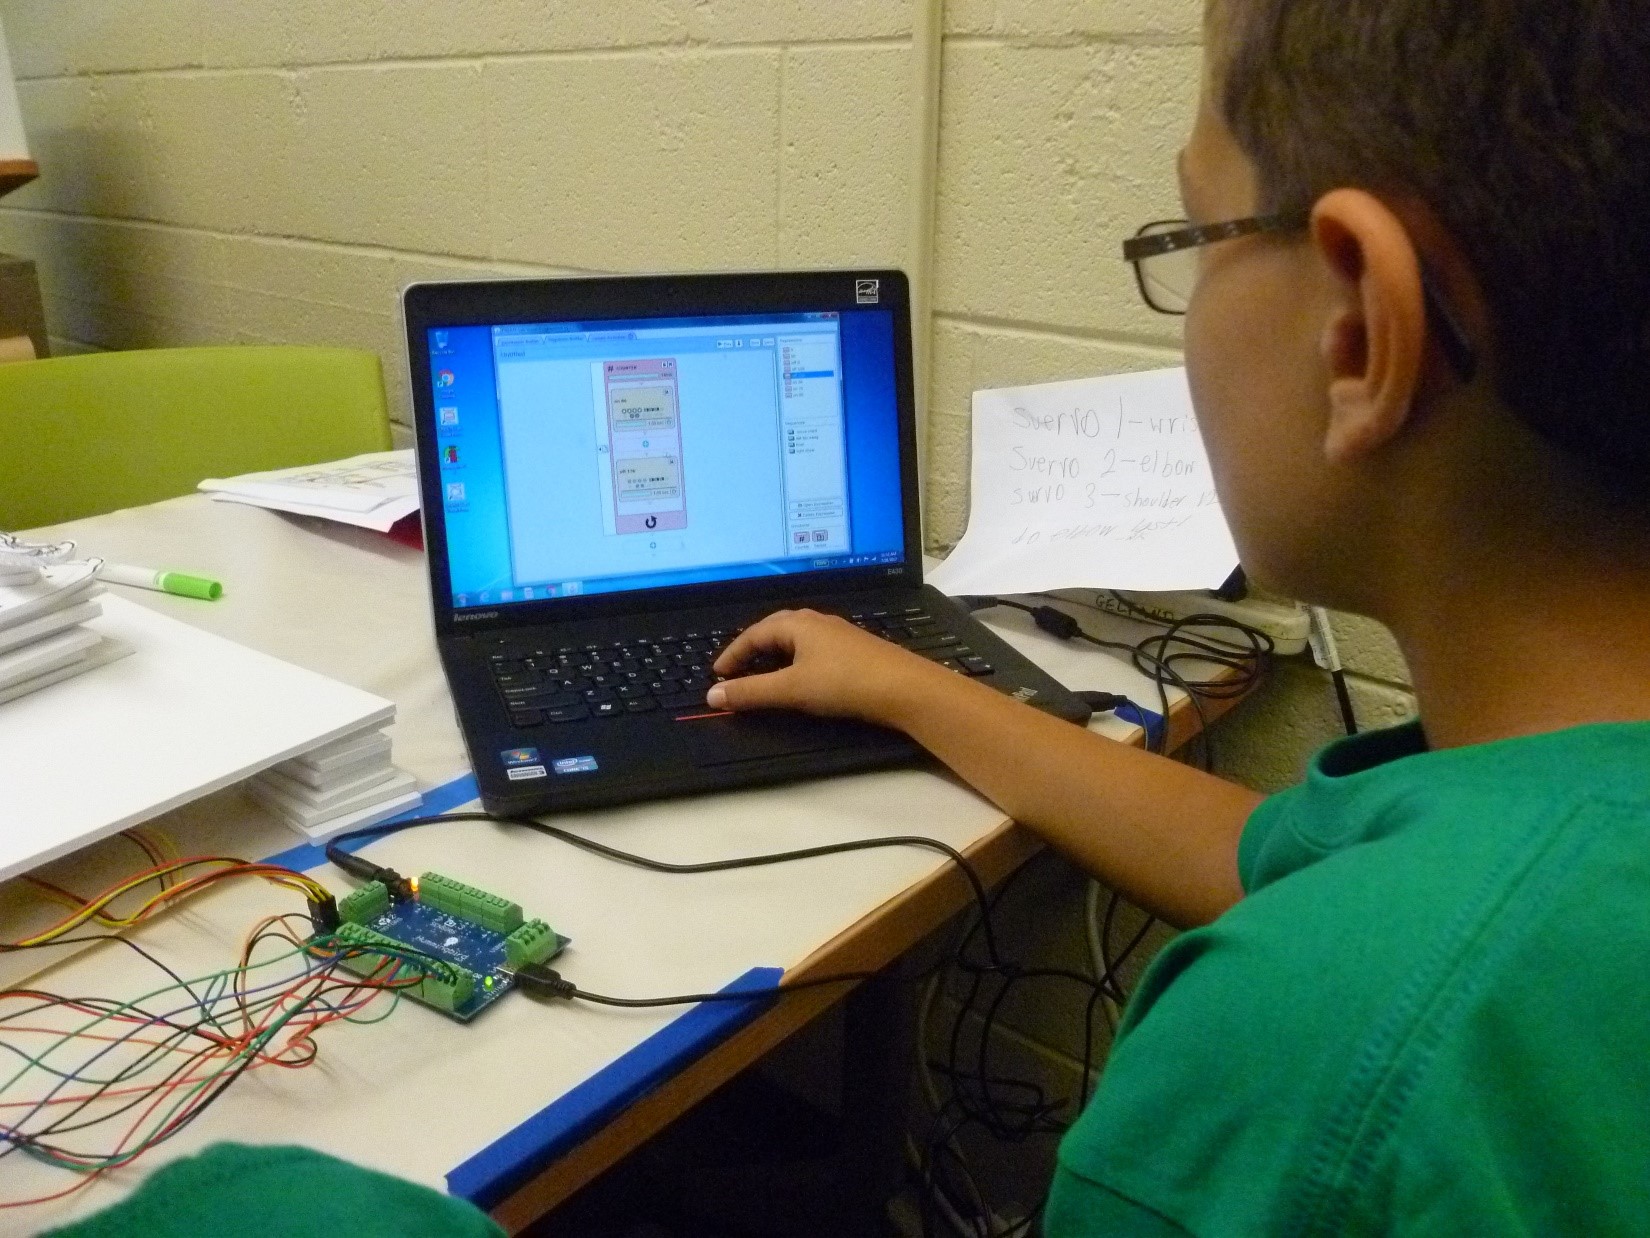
{"points": [[543, 685]]}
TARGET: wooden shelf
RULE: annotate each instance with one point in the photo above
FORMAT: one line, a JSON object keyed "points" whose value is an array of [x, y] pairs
{"points": [[15, 173]]}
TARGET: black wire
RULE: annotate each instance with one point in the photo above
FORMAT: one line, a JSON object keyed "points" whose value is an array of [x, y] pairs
{"points": [[98, 937], [689, 999], [324, 984], [1343, 697], [354, 864], [1245, 656], [1088, 1049]]}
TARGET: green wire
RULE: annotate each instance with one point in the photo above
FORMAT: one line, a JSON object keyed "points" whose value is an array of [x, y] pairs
{"points": [[219, 987]]}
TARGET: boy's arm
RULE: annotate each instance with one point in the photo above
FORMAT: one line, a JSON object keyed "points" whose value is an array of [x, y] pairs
{"points": [[1162, 833]]}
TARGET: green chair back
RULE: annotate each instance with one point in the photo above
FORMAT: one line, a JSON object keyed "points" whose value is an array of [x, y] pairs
{"points": [[96, 433]]}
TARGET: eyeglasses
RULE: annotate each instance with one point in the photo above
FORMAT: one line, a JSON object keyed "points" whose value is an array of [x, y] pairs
{"points": [[1164, 255]]}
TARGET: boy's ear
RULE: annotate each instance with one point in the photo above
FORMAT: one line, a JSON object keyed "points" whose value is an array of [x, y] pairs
{"points": [[1374, 344]]}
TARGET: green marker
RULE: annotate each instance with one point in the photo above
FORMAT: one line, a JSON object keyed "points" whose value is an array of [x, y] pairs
{"points": [[162, 582]]}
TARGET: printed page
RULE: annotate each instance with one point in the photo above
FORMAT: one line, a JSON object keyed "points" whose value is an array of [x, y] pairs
{"points": [[1101, 483], [357, 484]]}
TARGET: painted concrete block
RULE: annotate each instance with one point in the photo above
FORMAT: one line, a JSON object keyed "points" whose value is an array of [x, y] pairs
{"points": [[394, 157], [1050, 158], [637, 162], [846, 158], [1072, 20]]}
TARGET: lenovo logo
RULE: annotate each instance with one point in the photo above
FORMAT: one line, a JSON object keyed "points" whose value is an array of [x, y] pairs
{"points": [[472, 616]]}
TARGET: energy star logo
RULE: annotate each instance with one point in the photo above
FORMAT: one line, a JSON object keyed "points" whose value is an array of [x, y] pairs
{"points": [[868, 291]]}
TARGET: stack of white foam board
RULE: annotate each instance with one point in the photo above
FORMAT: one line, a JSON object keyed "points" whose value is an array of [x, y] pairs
{"points": [[347, 783], [186, 714], [43, 637]]}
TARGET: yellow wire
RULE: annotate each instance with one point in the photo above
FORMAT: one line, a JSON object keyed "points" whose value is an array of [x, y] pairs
{"points": [[96, 909]]}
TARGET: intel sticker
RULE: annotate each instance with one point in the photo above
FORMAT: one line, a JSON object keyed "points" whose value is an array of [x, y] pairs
{"points": [[575, 765]]}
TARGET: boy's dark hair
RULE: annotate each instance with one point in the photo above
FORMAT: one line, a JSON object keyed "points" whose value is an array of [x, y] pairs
{"points": [[1525, 126]]}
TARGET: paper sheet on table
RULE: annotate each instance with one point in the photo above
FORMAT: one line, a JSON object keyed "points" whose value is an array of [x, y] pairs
{"points": [[1101, 483], [373, 491]]}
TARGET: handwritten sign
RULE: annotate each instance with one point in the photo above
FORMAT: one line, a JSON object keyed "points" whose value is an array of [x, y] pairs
{"points": [[1101, 483]]}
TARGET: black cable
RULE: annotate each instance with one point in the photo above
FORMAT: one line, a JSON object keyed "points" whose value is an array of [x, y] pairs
{"points": [[1343, 696], [1110, 965], [1245, 657], [547, 982], [550, 983]]}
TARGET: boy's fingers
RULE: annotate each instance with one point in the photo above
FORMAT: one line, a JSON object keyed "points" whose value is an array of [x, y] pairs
{"points": [[752, 692], [769, 634]]}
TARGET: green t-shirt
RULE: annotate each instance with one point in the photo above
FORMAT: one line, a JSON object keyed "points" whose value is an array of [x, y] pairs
{"points": [[235, 1191], [1430, 1014]]}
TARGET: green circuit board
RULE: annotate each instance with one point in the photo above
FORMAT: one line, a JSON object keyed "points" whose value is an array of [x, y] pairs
{"points": [[477, 939]]}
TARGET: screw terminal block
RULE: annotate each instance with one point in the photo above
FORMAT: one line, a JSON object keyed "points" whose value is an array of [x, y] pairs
{"points": [[365, 904], [533, 942], [445, 986], [457, 899]]}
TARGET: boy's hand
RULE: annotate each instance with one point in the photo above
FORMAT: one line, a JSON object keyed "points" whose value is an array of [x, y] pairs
{"points": [[834, 669]]}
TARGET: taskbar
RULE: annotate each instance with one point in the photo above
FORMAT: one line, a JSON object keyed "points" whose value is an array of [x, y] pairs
{"points": [[542, 591]]}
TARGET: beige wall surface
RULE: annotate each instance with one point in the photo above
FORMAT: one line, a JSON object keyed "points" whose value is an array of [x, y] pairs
{"points": [[275, 172]]}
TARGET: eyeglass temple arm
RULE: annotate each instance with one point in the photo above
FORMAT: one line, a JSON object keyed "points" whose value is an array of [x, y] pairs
{"points": [[1452, 337]]}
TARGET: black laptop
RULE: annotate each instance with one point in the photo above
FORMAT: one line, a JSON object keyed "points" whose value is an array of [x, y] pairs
{"points": [[619, 474]]}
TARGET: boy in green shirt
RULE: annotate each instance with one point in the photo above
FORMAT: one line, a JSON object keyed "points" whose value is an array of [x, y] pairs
{"points": [[1413, 997]]}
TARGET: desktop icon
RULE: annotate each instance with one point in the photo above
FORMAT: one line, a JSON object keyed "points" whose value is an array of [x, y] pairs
{"points": [[440, 338], [455, 492], [444, 379], [449, 455], [447, 415]]}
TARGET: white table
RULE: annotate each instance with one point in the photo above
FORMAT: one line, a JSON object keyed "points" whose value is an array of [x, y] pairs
{"points": [[418, 1094]]}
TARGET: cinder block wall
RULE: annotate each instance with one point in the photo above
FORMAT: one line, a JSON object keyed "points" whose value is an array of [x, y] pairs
{"points": [[275, 172]]}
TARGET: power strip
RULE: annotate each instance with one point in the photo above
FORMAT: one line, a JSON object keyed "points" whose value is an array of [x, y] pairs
{"points": [[1289, 627]]}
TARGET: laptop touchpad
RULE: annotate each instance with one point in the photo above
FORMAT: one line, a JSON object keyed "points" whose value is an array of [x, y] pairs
{"points": [[728, 739]]}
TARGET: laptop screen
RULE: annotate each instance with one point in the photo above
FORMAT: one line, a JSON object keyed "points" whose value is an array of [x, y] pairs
{"points": [[580, 458]]}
